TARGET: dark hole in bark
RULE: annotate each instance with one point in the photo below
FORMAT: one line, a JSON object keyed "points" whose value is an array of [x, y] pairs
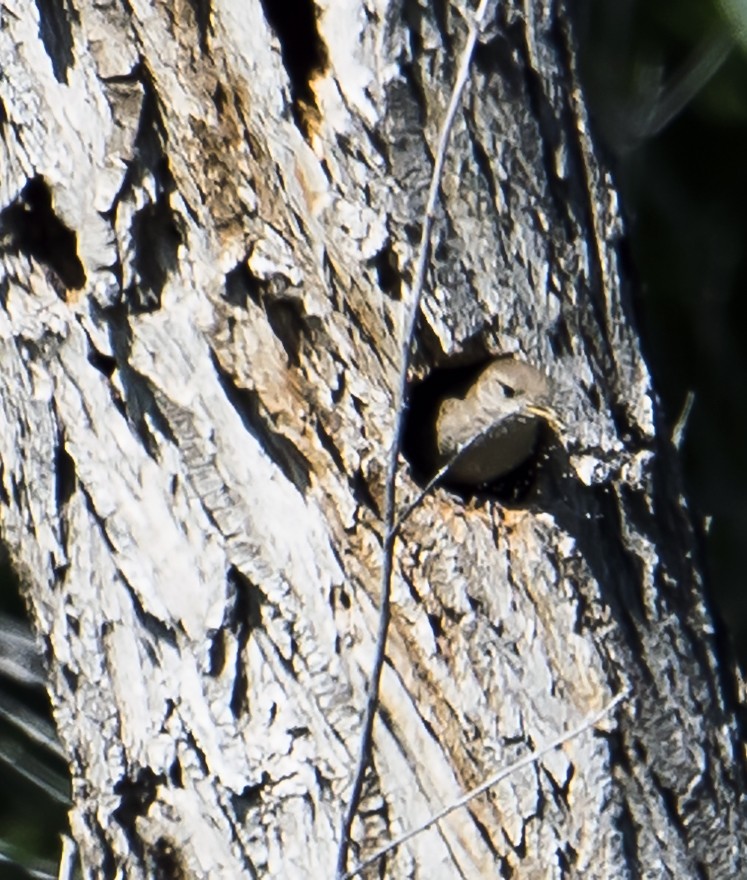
{"points": [[56, 18], [303, 51], [167, 863], [387, 271], [419, 439], [242, 286], [30, 226], [137, 792], [104, 363], [64, 469], [156, 236], [201, 10], [286, 317]]}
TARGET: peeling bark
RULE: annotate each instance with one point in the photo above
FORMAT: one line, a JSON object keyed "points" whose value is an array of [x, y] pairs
{"points": [[207, 241]]}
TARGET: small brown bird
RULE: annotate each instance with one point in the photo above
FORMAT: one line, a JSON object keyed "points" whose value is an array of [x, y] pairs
{"points": [[493, 428]]}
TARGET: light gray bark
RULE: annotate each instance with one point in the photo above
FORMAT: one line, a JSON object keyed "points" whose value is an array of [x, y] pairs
{"points": [[194, 421]]}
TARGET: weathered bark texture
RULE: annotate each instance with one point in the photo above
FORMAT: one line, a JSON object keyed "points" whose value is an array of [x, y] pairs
{"points": [[195, 406]]}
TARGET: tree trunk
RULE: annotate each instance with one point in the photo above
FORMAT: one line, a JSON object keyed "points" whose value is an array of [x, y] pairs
{"points": [[211, 221]]}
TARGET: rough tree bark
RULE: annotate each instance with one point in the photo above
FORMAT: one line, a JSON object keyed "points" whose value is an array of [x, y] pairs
{"points": [[209, 228]]}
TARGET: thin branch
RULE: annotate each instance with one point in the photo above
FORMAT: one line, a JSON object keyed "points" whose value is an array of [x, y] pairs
{"points": [[372, 699], [527, 760], [694, 75], [678, 432]]}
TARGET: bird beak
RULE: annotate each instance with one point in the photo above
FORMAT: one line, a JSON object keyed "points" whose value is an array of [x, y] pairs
{"points": [[549, 415]]}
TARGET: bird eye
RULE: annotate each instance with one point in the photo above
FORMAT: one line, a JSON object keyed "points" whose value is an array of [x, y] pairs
{"points": [[508, 390]]}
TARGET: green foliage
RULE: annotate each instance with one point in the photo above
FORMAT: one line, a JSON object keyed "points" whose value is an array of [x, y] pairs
{"points": [[735, 14]]}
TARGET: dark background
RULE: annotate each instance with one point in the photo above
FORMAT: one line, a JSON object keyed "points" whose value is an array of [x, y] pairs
{"points": [[683, 192]]}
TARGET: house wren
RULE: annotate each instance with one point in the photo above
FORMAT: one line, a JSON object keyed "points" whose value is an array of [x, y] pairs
{"points": [[493, 428]]}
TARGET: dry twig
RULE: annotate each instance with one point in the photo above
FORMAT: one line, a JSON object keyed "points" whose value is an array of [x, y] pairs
{"points": [[527, 760], [390, 532]]}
